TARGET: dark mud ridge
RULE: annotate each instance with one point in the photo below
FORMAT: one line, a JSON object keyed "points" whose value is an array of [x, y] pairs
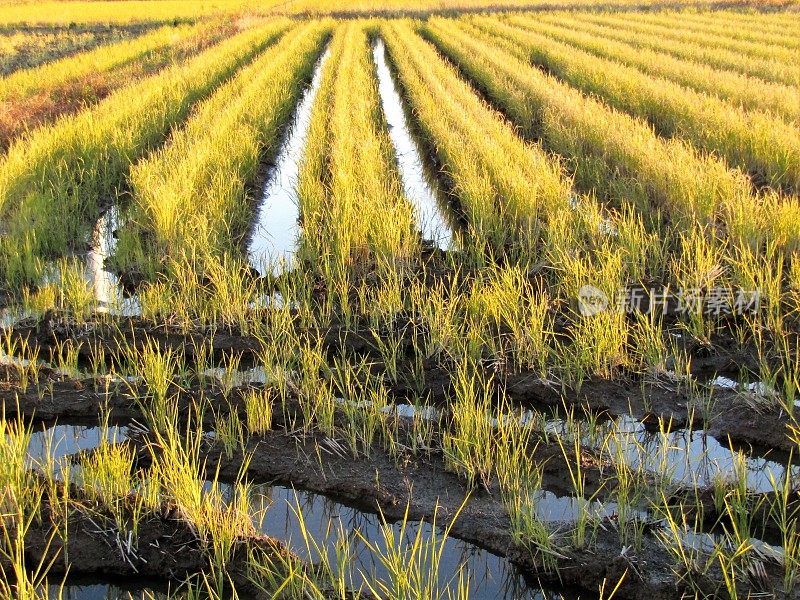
{"points": [[391, 484], [426, 490], [731, 415], [88, 542]]}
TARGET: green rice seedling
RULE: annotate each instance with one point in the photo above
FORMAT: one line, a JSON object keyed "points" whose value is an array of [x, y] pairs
{"points": [[381, 302], [648, 346], [218, 523], [157, 370], [391, 344], [581, 533], [412, 561], [314, 392], [613, 592], [761, 144], [97, 361], [229, 374], [690, 562], [511, 320], [529, 531], [628, 487], [105, 475], [22, 359], [18, 578], [698, 271], [285, 576], [350, 199], [787, 517], [75, 293], [19, 490], [40, 299], [64, 356], [468, 445], [365, 400], [737, 506], [53, 183], [730, 565], [231, 292], [598, 347], [258, 407], [229, 431]]}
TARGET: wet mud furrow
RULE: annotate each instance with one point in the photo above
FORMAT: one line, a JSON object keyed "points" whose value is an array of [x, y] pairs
{"points": [[730, 415], [272, 240], [422, 489], [71, 401], [165, 548]]}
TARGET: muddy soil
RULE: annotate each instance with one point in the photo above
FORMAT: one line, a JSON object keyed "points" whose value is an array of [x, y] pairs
{"points": [[740, 416], [166, 548], [379, 483]]}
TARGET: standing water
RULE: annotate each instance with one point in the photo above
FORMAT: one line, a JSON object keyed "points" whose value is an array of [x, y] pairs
{"points": [[107, 289], [311, 524], [274, 237], [417, 186]]}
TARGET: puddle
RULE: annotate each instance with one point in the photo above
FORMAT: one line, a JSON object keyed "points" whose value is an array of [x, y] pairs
{"points": [[105, 591], [490, 577], [236, 378], [684, 456], [61, 441], [10, 317], [759, 388], [707, 542], [693, 457], [421, 189], [104, 285], [273, 240], [107, 289]]}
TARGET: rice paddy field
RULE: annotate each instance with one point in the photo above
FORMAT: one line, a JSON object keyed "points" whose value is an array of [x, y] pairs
{"points": [[415, 300]]}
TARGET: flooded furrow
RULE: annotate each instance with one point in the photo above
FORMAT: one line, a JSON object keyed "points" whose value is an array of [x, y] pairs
{"points": [[276, 229], [108, 291], [55, 446], [297, 517], [418, 186], [86, 589]]}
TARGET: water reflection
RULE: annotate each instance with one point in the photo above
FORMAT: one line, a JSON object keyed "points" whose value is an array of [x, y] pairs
{"points": [[276, 230]]}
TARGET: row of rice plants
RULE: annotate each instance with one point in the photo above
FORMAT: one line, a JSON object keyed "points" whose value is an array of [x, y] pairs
{"points": [[743, 90], [54, 74], [41, 95], [662, 39], [505, 188], [720, 32], [351, 202], [759, 143], [54, 182], [749, 25], [618, 157], [25, 49], [55, 12], [521, 207], [190, 197]]}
